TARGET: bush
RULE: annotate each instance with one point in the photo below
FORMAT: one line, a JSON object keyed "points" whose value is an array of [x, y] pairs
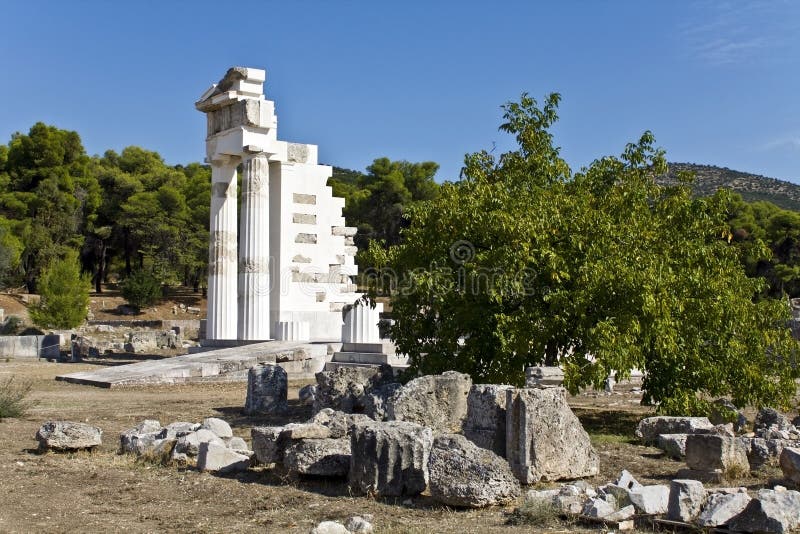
{"points": [[141, 289], [11, 326], [12, 398], [536, 512], [64, 294]]}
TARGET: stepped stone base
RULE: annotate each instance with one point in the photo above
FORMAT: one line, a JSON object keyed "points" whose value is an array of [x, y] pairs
{"points": [[299, 360], [367, 355]]}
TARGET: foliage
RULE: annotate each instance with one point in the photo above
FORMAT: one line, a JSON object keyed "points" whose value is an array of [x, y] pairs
{"points": [[11, 326], [13, 395], [535, 512], [64, 294], [523, 262], [141, 289]]}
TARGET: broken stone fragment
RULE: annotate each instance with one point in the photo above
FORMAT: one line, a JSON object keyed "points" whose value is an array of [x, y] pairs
{"points": [[686, 500], [68, 436], [219, 458], [219, 427]]}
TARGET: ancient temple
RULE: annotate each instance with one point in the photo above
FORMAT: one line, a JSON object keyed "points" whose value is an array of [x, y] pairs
{"points": [[280, 269]]}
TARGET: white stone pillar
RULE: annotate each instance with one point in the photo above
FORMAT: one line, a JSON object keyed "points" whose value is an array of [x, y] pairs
{"points": [[254, 250], [361, 324], [222, 312]]}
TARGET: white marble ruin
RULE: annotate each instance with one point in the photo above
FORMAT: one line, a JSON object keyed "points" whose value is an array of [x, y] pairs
{"points": [[283, 269]]}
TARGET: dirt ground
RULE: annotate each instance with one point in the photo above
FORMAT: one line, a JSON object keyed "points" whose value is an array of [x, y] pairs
{"points": [[102, 491]]}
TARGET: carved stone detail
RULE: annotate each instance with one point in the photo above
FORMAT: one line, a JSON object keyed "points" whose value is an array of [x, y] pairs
{"points": [[305, 238], [304, 218], [255, 174], [222, 256], [301, 198], [297, 152], [254, 265]]}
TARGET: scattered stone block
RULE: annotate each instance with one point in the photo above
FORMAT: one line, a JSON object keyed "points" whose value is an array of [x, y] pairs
{"points": [[339, 424], [650, 500], [376, 400], [177, 429], [68, 436], [790, 464], [686, 500], [267, 389], [237, 444], [295, 431], [768, 418], [307, 395], [266, 444], [320, 457], [542, 376], [623, 514], [330, 527], [721, 508], [359, 525], [724, 411], [343, 388], [650, 428], [627, 480], [674, 445], [709, 452], [390, 458], [465, 475], [770, 511], [544, 438], [598, 508], [219, 427], [435, 401], [189, 444], [128, 438], [219, 458], [485, 424]]}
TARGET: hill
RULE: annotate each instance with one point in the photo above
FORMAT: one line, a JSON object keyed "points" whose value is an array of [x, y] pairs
{"points": [[709, 178]]}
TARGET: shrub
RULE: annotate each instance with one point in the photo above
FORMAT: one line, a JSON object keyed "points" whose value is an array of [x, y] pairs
{"points": [[11, 326], [12, 398], [141, 289], [64, 294]]}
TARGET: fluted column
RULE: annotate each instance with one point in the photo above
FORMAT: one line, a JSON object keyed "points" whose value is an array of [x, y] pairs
{"points": [[222, 311], [361, 324], [254, 250]]}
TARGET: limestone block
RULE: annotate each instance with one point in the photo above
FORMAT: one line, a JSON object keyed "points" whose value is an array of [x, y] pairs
{"points": [[347, 231], [128, 438], [543, 376], [623, 514], [790, 464], [650, 499], [465, 475], [177, 429], [650, 427], [292, 331], [544, 439], [299, 258], [330, 527], [320, 457], [390, 458], [304, 218], [343, 388], [376, 400], [339, 424], [721, 508], [770, 511], [485, 424], [707, 452], [68, 436], [672, 444], [219, 427], [302, 198], [237, 444], [598, 508], [214, 457], [294, 431], [686, 500], [266, 444], [435, 401], [267, 390], [359, 525], [305, 238], [768, 418], [189, 444]]}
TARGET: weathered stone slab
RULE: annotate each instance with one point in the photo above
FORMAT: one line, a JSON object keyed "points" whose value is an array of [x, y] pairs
{"points": [[266, 444], [219, 458], [218, 426], [686, 500], [544, 439], [485, 424], [650, 427], [790, 464], [672, 444], [128, 439], [68, 436], [267, 390], [770, 511], [650, 500], [320, 457], [721, 508], [343, 388], [339, 424], [390, 458], [465, 475], [376, 400], [435, 401], [294, 431], [707, 452]]}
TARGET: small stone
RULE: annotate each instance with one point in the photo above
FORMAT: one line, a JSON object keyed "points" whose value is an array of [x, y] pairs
{"points": [[790, 464], [214, 457], [359, 525], [721, 508], [673, 444], [686, 500], [598, 508], [266, 444], [319, 457], [626, 480], [68, 436], [307, 394], [330, 527], [219, 427], [237, 444], [650, 499], [623, 514]]}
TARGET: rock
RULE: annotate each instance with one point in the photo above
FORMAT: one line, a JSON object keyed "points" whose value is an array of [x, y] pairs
{"points": [[707, 452], [320, 457], [618, 493], [161, 450], [770, 511], [307, 394], [359, 525], [537, 377], [189, 444], [435, 401], [376, 400], [790, 464], [294, 431], [672, 444], [128, 438], [237, 444], [544, 439], [650, 427], [343, 388], [768, 418], [177, 429], [219, 458], [465, 475], [485, 424], [390, 458], [724, 411], [338, 423], [721, 507], [623, 514], [266, 444], [650, 499], [68, 436], [330, 527], [598, 508], [219, 427], [626, 480], [267, 388], [686, 500]]}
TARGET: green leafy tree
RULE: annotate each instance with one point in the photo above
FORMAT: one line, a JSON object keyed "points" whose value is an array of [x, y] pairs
{"points": [[524, 262], [64, 294], [141, 289]]}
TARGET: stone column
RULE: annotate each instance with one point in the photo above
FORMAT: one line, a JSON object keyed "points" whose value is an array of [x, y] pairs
{"points": [[254, 250], [222, 312], [361, 324]]}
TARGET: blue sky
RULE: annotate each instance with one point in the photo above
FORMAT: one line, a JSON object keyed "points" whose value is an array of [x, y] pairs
{"points": [[717, 82]]}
